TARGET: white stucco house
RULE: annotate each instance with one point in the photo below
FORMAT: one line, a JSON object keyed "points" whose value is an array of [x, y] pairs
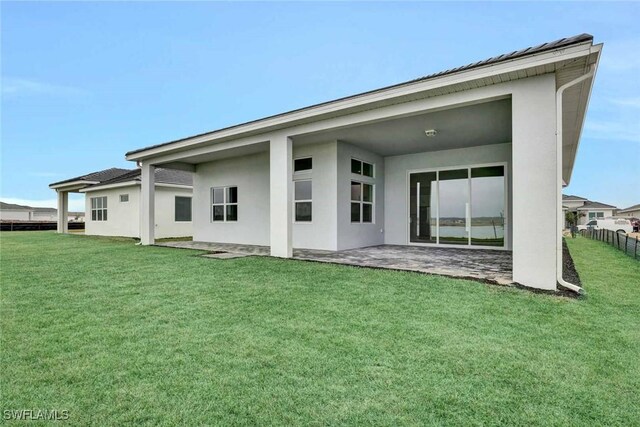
{"points": [[630, 212], [112, 202], [453, 159], [586, 209], [14, 212]]}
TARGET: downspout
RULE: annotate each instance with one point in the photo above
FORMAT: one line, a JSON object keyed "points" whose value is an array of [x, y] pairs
{"points": [[560, 219]]}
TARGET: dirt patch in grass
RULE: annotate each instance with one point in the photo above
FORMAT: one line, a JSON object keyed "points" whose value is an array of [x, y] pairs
{"points": [[569, 272]]}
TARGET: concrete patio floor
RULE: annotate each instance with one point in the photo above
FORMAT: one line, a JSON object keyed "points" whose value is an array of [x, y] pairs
{"points": [[480, 264]]}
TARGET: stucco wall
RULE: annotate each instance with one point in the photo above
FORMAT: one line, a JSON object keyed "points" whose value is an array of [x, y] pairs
{"points": [[8, 215], [251, 175], [123, 218], [354, 235], [396, 185], [320, 233]]}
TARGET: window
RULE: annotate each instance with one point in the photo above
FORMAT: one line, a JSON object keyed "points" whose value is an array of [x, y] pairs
{"points": [[302, 200], [303, 165], [183, 208], [99, 208], [224, 204], [596, 215], [124, 198], [592, 223], [361, 168], [361, 202]]}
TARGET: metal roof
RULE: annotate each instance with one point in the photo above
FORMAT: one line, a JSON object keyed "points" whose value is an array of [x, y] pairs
{"points": [[564, 42]]}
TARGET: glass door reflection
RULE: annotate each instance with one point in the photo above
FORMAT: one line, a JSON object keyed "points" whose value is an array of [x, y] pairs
{"points": [[422, 210], [453, 207]]}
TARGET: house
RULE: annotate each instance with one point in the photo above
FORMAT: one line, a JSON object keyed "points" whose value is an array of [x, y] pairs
{"points": [[586, 209], [112, 202], [630, 212], [13, 212], [455, 159]]}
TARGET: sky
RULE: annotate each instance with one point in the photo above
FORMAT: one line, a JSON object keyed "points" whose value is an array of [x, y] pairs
{"points": [[84, 82]]}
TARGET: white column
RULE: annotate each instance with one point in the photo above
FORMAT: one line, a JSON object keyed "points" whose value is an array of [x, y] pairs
{"points": [[534, 182], [280, 195], [63, 211], [147, 205]]}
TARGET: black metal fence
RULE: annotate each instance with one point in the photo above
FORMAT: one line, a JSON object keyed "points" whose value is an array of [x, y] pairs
{"points": [[628, 244], [36, 225]]}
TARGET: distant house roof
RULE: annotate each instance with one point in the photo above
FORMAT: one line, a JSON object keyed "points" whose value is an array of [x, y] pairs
{"points": [[570, 197], [630, 209], [99, 176], [557, 44], [595, 205], [163, 176], [14, 207], [45, 210]]}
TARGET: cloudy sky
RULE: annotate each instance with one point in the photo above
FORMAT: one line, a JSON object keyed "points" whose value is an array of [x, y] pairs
{"points": [[82, 83]]}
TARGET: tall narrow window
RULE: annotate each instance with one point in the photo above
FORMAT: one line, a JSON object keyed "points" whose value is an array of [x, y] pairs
{"points": [[182, 209], [99, 208], [224, 204], [303, 201], [361, 202]]}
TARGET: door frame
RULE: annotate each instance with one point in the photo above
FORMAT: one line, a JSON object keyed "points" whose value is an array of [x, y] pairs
{"points": [[507, 228]]}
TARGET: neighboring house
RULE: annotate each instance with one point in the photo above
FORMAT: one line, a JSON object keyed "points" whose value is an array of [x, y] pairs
{"points": [[630, 212], [586, 209], [13, 212], [453, 159], [113, 206], [112, 202], [75, 216]]}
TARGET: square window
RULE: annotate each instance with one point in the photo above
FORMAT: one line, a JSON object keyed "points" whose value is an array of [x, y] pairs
{"points": [[367, 212], [356, 191], [355, 212], [232, 212], [367, 169], [218, 195], [367, 193], [305, 164], [303, 211], [356, 166], [124, 197], [232, 195], [303, 190], [218, 212]]}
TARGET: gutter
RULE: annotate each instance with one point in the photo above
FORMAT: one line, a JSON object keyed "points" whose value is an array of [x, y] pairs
{"points": [[560, 219]]}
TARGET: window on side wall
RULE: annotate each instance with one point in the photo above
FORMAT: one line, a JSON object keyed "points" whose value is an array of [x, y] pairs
{"points": [[359, 167], [303, 205], [361, 202], [124, 198], [99, 208], [303, 164], [224, 206], [182, 209]]}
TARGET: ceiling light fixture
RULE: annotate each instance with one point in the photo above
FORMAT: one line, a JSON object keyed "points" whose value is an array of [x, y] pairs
{"points": [[431, 133]]}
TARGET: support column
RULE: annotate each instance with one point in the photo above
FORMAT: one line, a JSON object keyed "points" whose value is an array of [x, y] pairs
{"points": [[147, 205], [280, 195], [534, 182], [63, 211]]}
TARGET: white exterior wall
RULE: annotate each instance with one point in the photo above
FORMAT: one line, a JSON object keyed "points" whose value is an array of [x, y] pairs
{"points": [[320, 233], [584, 219], [9, 215], [123, 218], [251, 175], [396, 184], [535, 182], [630, 214], [355, 235]]}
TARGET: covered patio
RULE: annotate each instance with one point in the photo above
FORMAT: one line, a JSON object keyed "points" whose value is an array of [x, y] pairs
{"points": [[493, 266]]}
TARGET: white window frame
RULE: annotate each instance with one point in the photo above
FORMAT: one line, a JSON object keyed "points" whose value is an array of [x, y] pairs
{"points": [[305, 171], [123, 196], [295, 201], [103, 209], [362, 202], [224, 203], [362, 162], [595, 215]]}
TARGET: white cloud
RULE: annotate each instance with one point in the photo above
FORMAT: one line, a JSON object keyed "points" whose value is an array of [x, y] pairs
{"points": [[626, 102], [18, 86], [76, 203]]}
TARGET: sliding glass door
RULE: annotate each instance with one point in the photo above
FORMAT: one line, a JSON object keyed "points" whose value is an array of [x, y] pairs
{"points": [[464, 206]]}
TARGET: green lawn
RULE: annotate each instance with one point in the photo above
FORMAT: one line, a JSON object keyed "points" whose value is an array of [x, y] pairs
{"points": [[119, 334]]}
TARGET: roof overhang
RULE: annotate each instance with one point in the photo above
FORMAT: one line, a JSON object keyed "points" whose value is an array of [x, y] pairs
{"points": [[566, 62], [130, 184], [72, 186]]}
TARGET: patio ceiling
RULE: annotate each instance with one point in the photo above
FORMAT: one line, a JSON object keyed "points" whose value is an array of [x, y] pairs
{"points": [[470, 125]]}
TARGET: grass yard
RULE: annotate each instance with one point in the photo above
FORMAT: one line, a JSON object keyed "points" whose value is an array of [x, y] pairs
{"points": [[119, 334]]}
